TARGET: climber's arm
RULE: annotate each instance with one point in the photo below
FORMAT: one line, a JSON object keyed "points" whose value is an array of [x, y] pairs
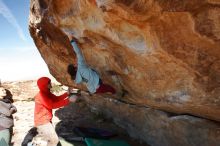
{"points": [[80, 58]]}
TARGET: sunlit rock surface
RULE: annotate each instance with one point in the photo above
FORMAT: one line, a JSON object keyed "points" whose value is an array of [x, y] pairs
{"points": [[165, 54]]}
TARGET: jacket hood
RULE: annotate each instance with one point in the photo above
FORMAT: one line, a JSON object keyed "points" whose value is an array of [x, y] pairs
{"points": [[42, 84]]}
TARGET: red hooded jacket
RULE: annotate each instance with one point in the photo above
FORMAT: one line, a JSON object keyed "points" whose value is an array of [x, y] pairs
{"points": [[45, 101]]}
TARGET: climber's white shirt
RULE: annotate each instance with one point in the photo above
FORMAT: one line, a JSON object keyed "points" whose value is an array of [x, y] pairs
{"points": [[84, 72]]}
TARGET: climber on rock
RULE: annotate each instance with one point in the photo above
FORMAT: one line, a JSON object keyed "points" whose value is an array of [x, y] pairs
{"points": [[83, 73]]}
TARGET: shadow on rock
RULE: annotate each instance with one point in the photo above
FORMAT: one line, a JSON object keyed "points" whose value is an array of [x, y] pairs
{"points": [[79, 115]]}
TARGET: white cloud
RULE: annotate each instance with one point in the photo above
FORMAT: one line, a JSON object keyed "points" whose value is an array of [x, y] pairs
{"points": [[4, 11]]}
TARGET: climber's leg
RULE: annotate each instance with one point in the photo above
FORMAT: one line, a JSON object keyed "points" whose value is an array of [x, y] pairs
{"points": [[105, 88]]}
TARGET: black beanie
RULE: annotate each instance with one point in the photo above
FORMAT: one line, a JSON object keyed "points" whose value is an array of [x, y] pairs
{"points": [[71, 69]]}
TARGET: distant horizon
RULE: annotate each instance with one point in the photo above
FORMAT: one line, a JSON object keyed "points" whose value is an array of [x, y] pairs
{"points": [[22, 65], [31, 79]]}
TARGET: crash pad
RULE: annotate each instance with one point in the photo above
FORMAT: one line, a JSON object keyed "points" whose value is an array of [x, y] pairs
{"points": [[93, 133], [67, 143], [103, 142]]}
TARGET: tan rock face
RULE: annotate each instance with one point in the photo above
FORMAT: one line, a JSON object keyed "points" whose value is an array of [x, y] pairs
{"points": [[166, 54], [158, 128]]}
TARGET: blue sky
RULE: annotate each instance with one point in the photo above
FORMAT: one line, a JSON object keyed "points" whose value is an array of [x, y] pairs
{"points": [[19, 58]]}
